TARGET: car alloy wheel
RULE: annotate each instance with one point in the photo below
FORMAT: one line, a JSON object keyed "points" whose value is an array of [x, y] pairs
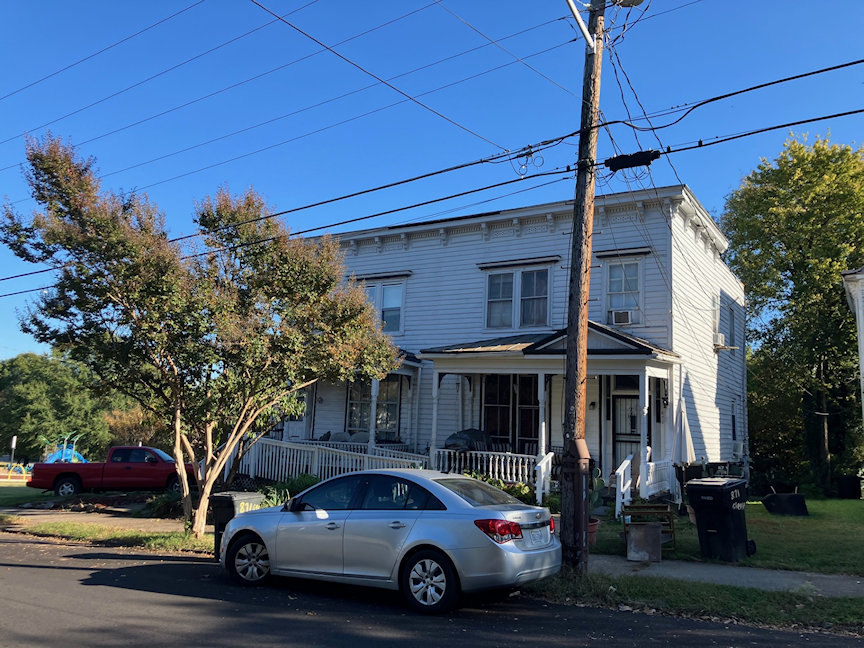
{"points": [[429, 582], [249, 561]]}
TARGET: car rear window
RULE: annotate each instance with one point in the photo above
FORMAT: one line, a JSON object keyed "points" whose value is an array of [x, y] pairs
{"points": [[477, 493]]}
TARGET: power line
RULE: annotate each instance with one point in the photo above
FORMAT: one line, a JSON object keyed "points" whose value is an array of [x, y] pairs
{"points": [[101, 51], [539, 146], [233, 86], [720, 140], [302, 110], [150, 78], [559, 171], [378, 78], [750, 89], [501, 47]]}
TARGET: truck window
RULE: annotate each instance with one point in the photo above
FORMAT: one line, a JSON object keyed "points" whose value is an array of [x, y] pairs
{"points": [[120, 455]]}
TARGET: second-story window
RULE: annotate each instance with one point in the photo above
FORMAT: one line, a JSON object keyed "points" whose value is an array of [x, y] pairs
{"points": [[534, 295], [387, 298], [622, 293], [520, 297], [499, 305]]}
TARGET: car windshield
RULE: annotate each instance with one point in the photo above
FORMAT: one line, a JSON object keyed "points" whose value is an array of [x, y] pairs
{"points": [[164, 456], [477, 493]]}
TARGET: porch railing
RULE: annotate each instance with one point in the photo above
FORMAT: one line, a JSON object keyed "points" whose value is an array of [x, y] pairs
{"points": [[386, 451], [279, 460], [506, 466], [351, 446], [543, 476], [660, 478], [623, 484]]}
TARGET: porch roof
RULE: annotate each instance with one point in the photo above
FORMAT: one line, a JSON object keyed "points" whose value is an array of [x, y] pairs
{"points": [[602, 341]]}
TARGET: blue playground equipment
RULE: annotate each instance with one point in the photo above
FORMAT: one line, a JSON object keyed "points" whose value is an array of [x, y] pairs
{"points": [[65, 452]]}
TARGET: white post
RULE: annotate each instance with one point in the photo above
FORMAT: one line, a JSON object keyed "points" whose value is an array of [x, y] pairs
{"points": [[373, 415], [644, 398], [433, 442], [415, 433], [541, 401], [461, 404]]}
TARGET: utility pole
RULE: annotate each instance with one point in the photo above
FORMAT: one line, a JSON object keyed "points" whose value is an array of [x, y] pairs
{"points": [[574, 483]]}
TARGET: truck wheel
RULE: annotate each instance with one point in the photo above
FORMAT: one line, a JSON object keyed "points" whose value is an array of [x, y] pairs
{"points": [[67, 486], [173, 485]]}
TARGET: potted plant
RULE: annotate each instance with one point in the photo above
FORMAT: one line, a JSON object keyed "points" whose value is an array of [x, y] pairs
{"points": [[596, 484]]}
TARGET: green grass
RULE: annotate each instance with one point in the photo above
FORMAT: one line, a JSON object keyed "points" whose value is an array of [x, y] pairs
{"points": [[99, 534], [699, 600], [15, 493], [826, 541]]}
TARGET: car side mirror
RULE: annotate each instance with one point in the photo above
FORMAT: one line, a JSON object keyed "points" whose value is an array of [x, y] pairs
{"points": [[292, 505]]}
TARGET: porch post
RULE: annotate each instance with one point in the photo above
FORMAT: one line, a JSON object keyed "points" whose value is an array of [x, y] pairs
{"points": [[415, 418], [433, 441], [373, 415], [541, 401], [461, 405], [644, 399]]}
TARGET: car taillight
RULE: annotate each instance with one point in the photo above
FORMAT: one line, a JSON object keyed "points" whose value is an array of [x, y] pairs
{"points": [[552, 525], [500, 531]]}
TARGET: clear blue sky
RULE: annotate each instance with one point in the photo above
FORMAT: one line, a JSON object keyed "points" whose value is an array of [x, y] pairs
{"points": [[201, 76]]}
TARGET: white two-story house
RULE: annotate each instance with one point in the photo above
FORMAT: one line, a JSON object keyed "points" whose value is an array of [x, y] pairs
{"points": [[478, 306]]}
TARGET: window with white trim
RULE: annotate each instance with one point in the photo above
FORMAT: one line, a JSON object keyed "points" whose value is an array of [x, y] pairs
{"points": [[388, 299], [386, 407], [520, 295], [622, 292]]}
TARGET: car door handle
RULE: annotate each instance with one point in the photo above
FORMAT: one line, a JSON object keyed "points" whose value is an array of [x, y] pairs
{"points": [[396, 524], [332, 526]]}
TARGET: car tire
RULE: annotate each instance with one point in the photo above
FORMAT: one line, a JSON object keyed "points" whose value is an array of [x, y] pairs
{"points": [[67, 486], [428, 581], [248, 561], [173, 485]]}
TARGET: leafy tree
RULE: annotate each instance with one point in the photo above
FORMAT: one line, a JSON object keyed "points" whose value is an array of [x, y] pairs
{"points": [[794, 225], [45, 398], [213, 340]]}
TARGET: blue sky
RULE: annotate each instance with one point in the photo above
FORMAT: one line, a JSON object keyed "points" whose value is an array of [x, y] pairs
{"points": [[221, 94]]}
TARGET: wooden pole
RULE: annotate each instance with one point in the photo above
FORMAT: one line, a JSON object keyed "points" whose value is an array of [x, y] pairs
{"points": [[574, 483]]}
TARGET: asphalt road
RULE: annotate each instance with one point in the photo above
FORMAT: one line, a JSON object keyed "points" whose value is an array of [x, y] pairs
{"points": [[61, 594]]}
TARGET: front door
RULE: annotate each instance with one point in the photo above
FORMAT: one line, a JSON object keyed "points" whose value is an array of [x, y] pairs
{"points": [[625, 431]]}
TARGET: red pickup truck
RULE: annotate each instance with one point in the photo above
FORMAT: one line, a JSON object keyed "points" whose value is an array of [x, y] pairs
{"points": [[127, 468]]}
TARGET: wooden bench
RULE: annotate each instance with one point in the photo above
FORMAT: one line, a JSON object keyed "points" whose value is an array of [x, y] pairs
{"points": [[662, 513]]}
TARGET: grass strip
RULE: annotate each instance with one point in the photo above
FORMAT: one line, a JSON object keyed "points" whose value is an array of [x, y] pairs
{"points": [[97, 534], [714, 602], [827, 541]]}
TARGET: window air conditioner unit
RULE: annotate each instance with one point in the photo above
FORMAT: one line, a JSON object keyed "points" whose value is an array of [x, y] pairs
{"points": [[719, 340], [738, 448], [621, 317]]}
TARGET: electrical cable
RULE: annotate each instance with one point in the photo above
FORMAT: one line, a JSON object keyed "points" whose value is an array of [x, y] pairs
{"points": [[150, 78], [378, 78], [101, 51], [559, 171], [502, 48]]}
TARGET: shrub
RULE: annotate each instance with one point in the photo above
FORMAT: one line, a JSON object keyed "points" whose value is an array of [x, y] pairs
{"points": [[280, 492], [522, 492]]}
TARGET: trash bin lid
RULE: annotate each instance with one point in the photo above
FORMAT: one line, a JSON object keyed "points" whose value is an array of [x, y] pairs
{"points": [[716, 482]]}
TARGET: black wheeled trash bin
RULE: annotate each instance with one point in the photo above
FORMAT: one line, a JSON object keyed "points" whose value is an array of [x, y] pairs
{"points": [[718, 504], [228, 504]]}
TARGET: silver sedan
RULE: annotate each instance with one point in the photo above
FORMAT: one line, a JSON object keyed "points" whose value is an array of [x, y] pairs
{"points": [[430, 534]]}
